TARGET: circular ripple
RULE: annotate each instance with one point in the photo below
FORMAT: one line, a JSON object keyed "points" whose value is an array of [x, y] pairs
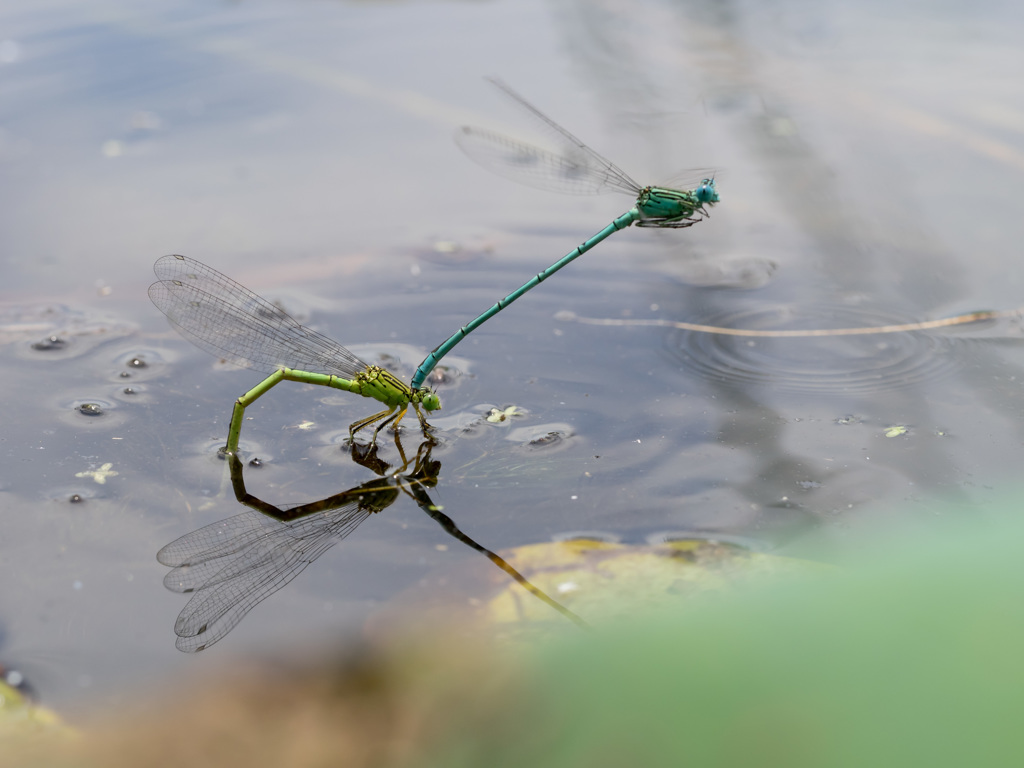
{"points": [[91, 413], [543, 437], [842, 364]]}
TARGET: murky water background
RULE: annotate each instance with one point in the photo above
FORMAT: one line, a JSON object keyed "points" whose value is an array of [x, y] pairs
{"points": [[871, 167]]}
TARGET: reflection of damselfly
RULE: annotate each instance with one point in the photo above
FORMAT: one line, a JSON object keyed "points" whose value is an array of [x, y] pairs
{"points": [[231, 566]]}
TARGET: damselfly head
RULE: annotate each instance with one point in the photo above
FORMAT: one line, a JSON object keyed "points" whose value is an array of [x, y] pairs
{"points": [[707, 192], [429, 400]]}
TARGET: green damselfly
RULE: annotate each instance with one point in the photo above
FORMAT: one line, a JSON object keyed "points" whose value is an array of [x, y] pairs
{"points": [[581, 171], [231, 322]]}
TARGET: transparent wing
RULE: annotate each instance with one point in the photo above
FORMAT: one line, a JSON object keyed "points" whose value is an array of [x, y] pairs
{"points": [[577, 169], [576, 151], [690, 178], [540, 168], [227, 320], [234, 565]]}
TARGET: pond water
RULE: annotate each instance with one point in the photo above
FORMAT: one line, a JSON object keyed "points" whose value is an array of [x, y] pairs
{"points": [[870, 159]]}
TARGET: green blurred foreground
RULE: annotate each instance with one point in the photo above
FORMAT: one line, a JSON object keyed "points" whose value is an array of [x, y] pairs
{"points": [[913, 658]]}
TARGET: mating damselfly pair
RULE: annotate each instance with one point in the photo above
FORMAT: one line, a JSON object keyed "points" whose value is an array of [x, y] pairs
{"points": [[224, 318]]}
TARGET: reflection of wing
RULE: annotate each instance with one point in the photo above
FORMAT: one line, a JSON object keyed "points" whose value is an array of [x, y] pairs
{"points": [[233, 565], [197, 556]]}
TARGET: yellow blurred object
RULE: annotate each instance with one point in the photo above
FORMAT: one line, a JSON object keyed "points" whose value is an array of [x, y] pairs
{"points": [[20, 717], [603, 581]]}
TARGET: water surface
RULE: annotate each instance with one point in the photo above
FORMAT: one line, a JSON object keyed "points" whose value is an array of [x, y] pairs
{"points": [[871, 160]]}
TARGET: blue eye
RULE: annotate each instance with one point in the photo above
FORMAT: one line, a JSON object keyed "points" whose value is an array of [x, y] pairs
{"points": [[707, 192]]}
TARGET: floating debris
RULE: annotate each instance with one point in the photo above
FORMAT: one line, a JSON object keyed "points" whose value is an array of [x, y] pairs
{"points": [[99, 475]]}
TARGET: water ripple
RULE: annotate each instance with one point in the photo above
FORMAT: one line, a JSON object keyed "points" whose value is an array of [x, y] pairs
{"points": [[846, 363]]}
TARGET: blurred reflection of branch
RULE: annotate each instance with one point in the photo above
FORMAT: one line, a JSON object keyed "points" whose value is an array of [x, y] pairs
{"points": [[231, 566], [923, 325]]}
